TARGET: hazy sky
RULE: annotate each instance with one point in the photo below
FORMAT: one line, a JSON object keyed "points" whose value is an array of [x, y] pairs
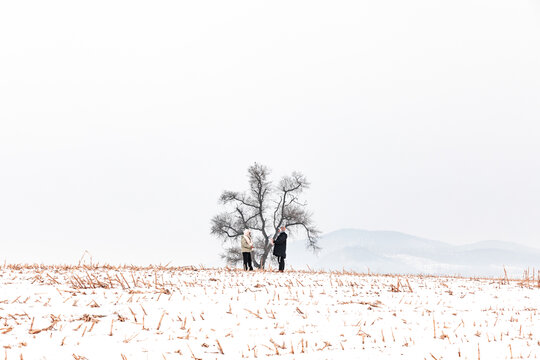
{"points": [[122, 121]]}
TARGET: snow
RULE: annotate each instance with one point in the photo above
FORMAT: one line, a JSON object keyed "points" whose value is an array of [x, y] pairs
{"points": [[61, 312]]}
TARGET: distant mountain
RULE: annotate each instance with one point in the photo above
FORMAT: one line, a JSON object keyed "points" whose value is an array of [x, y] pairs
{"points": [[395, 252]]}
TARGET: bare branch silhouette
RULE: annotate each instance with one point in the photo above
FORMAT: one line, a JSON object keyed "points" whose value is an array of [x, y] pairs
{"points": [[264, 208]]}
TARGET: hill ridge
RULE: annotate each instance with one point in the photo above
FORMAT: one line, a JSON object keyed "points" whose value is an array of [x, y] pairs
{"points": [[386, 251]]}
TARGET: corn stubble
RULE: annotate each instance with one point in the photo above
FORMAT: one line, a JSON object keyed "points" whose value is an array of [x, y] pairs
{"points": [[161, 312]]}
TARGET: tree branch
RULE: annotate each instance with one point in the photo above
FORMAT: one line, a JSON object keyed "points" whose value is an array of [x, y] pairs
{"points": [[260, 208]]}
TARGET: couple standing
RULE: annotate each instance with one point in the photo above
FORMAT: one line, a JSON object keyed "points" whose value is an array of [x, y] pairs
{"points": [[280, 248]]}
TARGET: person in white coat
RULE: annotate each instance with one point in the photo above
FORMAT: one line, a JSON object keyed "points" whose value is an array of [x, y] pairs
{"points": [[247, 247]]}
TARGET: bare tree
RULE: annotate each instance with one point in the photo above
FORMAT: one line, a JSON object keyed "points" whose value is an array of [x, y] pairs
{"points": [[264, 208]]}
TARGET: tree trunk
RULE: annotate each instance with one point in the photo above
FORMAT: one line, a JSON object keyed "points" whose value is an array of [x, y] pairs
{"points": [[264, 257], [256, 264]]}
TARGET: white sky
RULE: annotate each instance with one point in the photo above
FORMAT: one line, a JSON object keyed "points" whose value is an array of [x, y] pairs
{"points": [[122, 121]]}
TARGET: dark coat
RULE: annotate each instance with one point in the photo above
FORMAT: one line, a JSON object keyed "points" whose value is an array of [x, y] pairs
{"points": [[280, 245]]}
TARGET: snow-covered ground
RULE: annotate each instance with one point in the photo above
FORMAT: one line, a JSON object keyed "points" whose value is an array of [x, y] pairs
{"points": [[174, 313]]}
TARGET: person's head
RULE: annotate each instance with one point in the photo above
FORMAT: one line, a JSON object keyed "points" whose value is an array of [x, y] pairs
{"points": [[283, 228], [247, 232]]}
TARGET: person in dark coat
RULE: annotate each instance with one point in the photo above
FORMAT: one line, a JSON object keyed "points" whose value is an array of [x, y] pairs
{"points": [[280, 248]]}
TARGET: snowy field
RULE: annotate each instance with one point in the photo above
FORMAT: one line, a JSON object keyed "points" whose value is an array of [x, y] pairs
{"points": [[174, 313]]}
